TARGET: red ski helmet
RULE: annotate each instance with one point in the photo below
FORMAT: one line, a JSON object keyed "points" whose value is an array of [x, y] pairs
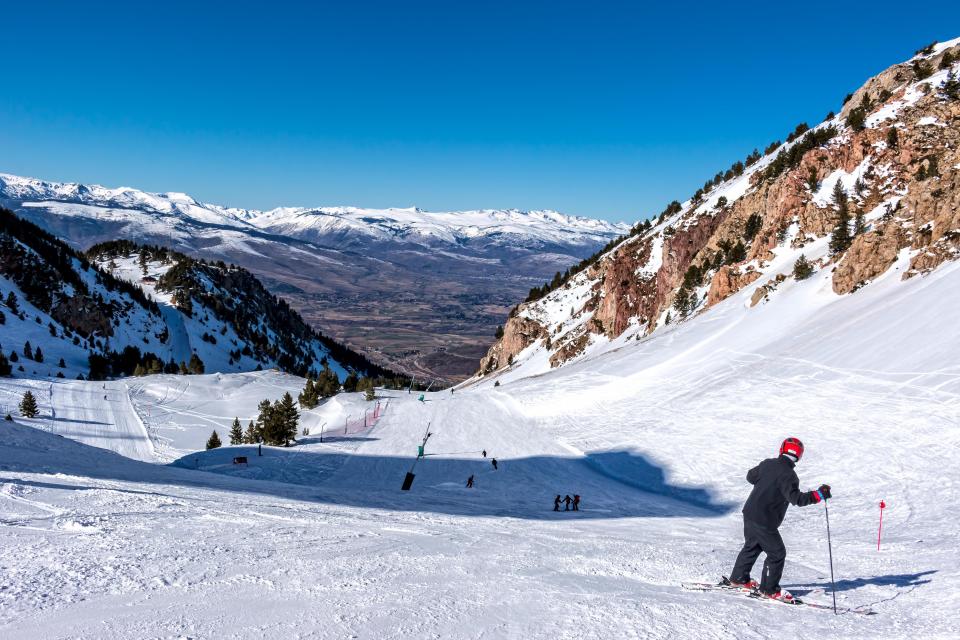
{"points": [[793, 446]]}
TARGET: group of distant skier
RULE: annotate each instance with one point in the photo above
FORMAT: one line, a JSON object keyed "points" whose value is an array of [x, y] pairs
{"points": [[493, 461], [567, 503]]}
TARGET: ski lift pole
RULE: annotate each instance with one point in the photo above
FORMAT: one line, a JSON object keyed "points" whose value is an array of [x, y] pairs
{"points": [[833, 586]]}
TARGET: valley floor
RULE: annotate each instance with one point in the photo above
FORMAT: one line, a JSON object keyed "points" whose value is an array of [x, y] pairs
{"points": [[167, 541]]}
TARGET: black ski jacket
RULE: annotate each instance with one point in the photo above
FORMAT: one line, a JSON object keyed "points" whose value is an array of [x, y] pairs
{"points": [[775, 487]]}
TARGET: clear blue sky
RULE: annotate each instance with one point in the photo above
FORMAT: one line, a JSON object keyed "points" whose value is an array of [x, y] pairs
{"points": [[607, 109]]}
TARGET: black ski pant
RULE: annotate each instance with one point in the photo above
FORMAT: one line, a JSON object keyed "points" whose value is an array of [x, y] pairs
{"points": [[756, 539]]}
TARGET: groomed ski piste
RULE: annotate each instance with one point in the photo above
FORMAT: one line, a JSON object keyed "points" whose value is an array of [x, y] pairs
{"points": [[126, 528]]}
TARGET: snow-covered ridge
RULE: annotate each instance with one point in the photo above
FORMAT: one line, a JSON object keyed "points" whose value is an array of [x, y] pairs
{"points": [[310, 222]]}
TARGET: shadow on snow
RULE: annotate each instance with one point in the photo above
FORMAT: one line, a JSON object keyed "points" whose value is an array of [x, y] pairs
{"points": [[890, 580], [612, 484]]}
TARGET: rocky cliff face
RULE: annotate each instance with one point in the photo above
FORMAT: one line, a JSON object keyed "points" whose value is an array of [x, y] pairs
{"points": [[889, 162]]}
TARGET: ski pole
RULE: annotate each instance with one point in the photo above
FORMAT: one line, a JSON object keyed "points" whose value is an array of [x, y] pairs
{"points": [[833, 586], [880, 530]]}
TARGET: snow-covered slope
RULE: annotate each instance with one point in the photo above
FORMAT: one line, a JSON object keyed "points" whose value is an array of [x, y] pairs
{"points": [[655, 435]]}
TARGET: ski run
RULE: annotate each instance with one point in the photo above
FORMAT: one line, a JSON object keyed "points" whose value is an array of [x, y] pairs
{"points": [[114, 521]]}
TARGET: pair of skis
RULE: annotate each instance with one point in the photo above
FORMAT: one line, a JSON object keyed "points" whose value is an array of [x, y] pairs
{"points": [[756, 595]]}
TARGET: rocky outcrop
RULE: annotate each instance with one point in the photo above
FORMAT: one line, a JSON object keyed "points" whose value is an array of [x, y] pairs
{"points": [[870, 255], [518, 334], [727, 281], [570, 350], [899, 171]]}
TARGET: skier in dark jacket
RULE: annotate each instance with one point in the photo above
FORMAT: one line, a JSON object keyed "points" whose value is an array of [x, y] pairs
{"points": [[566, 503], [556, 503], [576, 502], [470, 482], [494, 461], [775, 487]]}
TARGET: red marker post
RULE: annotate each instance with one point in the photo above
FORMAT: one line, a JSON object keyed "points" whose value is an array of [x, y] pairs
{"points": [[880, 530]]}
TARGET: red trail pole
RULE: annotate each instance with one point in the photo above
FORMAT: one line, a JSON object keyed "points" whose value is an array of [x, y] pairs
{"points": [[880, 530]]}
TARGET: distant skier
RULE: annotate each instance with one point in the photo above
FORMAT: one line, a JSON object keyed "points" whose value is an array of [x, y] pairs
{"points": [[470, 482], [775, 487], [556, 503], [484, 453], [566, 502], [494, 461], [576, 502]]}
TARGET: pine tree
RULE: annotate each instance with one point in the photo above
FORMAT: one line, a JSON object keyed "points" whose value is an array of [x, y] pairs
{"points": [[951, 87], [250, 435], [921, 69], [38, 354], [857, 119], [350, 383], [196, 365], [287, 420], [738, 253], [682, 302], [802, 269], [327, 385], [12, 302], [28, 406], [310, 396], [752, 228], [14, 357], [893, 138], [61, 364], [3, 317], [214, 441], [265, 422], [840, 238], [371, 394], [236, 432], [5, 368], [859, 225], [27, 350]]}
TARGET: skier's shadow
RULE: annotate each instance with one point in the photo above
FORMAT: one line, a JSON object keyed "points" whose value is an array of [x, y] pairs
{"points": [[890, 580]]}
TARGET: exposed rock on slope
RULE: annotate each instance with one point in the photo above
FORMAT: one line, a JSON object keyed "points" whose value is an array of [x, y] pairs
{"points": [[888, 162]]}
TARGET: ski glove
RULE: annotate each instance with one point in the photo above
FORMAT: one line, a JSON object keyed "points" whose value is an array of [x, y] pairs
{"points": [[823, 493]]}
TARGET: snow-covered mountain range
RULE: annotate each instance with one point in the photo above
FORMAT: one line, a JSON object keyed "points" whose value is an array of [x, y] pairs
{"points": [[422, 291], [507, 228]]}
